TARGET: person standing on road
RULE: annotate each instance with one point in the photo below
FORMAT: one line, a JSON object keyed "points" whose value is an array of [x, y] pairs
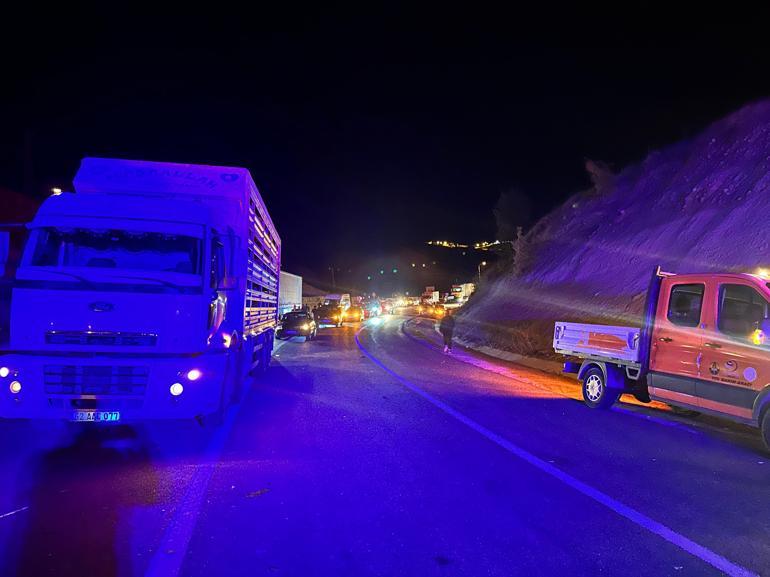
{"points": [[446, 328]]}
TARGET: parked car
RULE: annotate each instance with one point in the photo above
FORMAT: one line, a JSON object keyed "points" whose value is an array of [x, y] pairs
{"points": [[297, 324], [372, 309]]}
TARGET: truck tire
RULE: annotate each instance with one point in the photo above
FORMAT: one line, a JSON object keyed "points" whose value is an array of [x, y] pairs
{"points": [[764, 427], [595, 392]]}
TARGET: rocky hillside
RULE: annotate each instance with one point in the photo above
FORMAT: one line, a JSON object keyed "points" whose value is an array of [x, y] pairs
{"points": [[701, 204]]}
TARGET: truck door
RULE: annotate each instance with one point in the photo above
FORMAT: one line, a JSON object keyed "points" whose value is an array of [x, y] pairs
{"points": [[735, 364], [676, 342]]}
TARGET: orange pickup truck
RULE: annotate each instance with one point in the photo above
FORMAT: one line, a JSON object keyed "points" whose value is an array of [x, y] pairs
{"points": [[701, 346]]}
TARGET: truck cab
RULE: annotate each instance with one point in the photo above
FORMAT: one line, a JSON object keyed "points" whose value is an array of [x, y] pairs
{"points": [[140, 296], [708, 347]]}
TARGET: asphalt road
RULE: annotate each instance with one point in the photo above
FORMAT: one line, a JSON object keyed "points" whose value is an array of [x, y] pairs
{"points": [[370, 452]]}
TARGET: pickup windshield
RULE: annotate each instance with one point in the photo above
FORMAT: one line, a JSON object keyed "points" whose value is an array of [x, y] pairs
{"points": [[116, 249]]}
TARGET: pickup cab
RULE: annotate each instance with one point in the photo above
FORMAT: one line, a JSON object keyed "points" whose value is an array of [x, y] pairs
{"points": [[702, 346]]}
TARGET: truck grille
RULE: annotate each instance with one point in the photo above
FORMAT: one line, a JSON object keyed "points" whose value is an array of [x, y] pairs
{"points": [[95, 380], [110, 339]]}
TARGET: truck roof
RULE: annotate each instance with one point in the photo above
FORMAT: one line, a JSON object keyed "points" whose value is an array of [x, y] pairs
{"points": [[99, 206], [698, 277], [141, 178]]}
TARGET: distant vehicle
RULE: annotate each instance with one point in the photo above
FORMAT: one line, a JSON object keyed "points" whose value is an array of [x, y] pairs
{"points": [[290, 292], [430, 296], [340, 300], [299, 324], [354, 314], [459, 295], [372, 308], [387, 306], [431, 310], [702, 346], [329, 314], [146, 294]]}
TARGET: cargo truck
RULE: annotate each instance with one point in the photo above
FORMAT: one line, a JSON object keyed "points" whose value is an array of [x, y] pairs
{"points": [[290, 292], [702, 346], [148, 293]]}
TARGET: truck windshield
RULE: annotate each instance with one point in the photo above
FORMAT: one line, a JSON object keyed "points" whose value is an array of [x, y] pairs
{"points": [[116, 249]]}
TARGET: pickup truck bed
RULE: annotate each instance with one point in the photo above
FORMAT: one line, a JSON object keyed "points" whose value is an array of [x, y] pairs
{"points": [[602, 342]]}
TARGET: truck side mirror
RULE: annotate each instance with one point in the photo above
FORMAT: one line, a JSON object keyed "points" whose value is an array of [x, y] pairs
{"points": [[5, 250]]}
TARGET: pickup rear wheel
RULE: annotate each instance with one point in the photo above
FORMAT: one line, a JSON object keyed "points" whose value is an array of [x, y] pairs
{"points": [[595, 392], [764, 426]]}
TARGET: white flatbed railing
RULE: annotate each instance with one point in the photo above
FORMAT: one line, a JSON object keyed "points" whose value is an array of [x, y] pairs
{"points": [[603, 341]]}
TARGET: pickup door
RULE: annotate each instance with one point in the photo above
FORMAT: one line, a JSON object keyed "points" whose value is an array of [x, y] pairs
{"points": [[675, 354], [735, 366]]}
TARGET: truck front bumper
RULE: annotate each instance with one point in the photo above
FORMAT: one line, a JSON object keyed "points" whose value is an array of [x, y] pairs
{"points": [[50, 386]]}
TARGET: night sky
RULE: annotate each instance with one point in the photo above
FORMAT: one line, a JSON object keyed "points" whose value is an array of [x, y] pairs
{"points": [[368, 134]]}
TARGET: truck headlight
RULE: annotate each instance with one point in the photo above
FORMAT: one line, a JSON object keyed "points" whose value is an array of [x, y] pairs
{"points": [[4, 372], [176, 389], [305, 327], [193, 375], [15, 387]]}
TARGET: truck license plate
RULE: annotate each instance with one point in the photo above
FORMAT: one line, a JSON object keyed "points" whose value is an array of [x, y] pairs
{"points": [[96, 416]]}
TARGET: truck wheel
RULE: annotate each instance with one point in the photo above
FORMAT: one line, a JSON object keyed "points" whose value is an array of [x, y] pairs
{"points": [[595, 392], [764, 426]]}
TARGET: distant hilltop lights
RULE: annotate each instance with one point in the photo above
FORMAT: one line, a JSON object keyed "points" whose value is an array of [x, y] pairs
{"points": [[483, 245], [486, 245], [447, 244]]}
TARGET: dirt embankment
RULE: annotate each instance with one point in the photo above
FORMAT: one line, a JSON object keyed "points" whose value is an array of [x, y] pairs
{"points": [[698, 205]]}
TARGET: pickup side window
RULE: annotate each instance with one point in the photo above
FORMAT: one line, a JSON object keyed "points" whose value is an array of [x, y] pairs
{"points": [[741, 310], [685, 304]]}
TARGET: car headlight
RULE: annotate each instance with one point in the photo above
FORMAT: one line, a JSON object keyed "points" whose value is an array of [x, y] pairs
{"points": [[305, 327]]}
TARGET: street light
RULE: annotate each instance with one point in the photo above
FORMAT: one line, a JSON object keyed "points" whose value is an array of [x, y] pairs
{"points": [[482, 263]]}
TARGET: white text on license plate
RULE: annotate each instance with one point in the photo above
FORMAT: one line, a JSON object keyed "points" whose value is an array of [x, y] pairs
{"points": [[96, 416]]}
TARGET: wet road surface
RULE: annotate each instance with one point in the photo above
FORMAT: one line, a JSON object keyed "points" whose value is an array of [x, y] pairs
{"points": [[370, 452]]}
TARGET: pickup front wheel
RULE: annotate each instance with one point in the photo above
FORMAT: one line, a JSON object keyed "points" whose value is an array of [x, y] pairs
{"points": [[595, 392], [764, 426]]}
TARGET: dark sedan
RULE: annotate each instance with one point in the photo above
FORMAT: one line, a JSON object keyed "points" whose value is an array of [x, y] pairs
{"points": [[297, 324]]}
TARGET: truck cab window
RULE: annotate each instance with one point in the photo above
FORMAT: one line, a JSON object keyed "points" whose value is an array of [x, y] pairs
{"points": [[685, 303], [217, 263], [741, 310]]}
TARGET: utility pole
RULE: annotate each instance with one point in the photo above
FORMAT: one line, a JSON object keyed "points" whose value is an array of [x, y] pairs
{"points": [[334, 284], [482, 263]]}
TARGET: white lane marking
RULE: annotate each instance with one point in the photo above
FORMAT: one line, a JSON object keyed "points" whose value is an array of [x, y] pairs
{"points": [[640, 519], [172, 549], [4, 515]]}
